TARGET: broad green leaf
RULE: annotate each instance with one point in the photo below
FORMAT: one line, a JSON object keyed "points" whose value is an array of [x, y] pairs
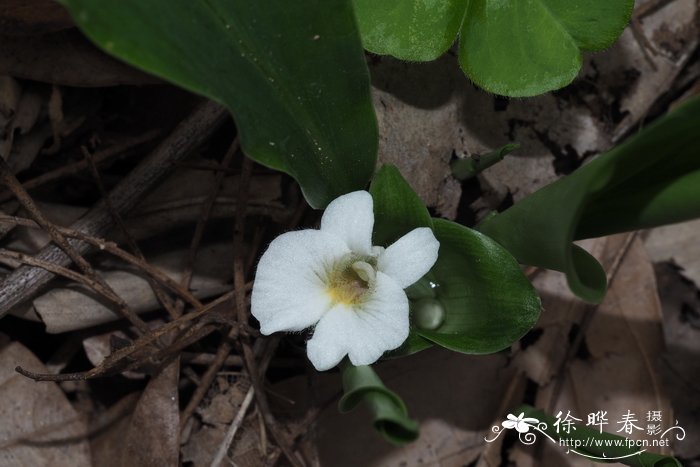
{"points": [[514, 48], [650, 180], [294, 77], [475, 299], [488, 301], [579, 434], [417, 30], [361, 384], [529, 47], [397, 208]]}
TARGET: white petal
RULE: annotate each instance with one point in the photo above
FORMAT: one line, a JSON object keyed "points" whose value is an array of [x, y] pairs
{"points": [[509, 424], [327, 347], [351, 217], [410, 257], [364, 331], [289, 292], [522, 427]]}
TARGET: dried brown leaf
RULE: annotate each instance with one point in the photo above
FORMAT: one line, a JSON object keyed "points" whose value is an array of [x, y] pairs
{"points": [[616, 370], [29, 17], [153, 436], [677, 243], [680, 363], [65, 58], [39, 426], [73, 307]]}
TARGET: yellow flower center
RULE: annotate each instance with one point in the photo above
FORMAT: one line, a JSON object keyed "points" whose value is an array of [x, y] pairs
{"points": [[349, 283]]}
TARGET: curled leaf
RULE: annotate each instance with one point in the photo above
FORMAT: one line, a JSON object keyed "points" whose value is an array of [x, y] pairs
{"points": [[362, 385], [650, 180]]}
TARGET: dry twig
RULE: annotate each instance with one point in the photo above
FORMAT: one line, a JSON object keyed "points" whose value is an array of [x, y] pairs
{"points": [[153, 273], [117, 218], [120, 149], [231, 432], [119, 361], [97, 283], [190, 134]]}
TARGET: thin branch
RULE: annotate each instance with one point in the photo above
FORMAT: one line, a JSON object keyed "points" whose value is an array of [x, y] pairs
{"points": [[116, 361], [225, 348], [650, 7], [118, 150], [53, 268], [231, 432], [23, 282], [206, 213], [112, 248], [157, 291], [99, 285]]}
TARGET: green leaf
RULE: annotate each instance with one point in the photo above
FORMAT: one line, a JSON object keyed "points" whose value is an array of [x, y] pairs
{"points": [[397, 208], [294, 78], [475, 299], [391, 420], [582, 435], [529, 47], [397, 211], [514, 48], [650, 180], [488, 301], [416, 30]]}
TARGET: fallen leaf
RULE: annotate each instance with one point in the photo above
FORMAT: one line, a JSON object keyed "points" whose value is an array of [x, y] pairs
{"points": [[615, 369], [153, 434], [26, 130], [73, 307], [29, 17], [680, 365], [65, 58], [39, 426], [677, 243]]}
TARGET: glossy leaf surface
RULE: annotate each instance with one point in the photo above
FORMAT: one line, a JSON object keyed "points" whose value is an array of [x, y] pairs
{"points": [[415, 30], [513, 48], [294, 78], [483, 300]]}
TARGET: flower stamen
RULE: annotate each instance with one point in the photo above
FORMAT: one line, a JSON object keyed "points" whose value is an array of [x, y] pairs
{"points": [[351, 282], [365, 271]]}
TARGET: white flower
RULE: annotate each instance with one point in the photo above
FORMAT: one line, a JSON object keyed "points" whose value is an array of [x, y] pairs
{"points": [[335, 279], [520, 423]]}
